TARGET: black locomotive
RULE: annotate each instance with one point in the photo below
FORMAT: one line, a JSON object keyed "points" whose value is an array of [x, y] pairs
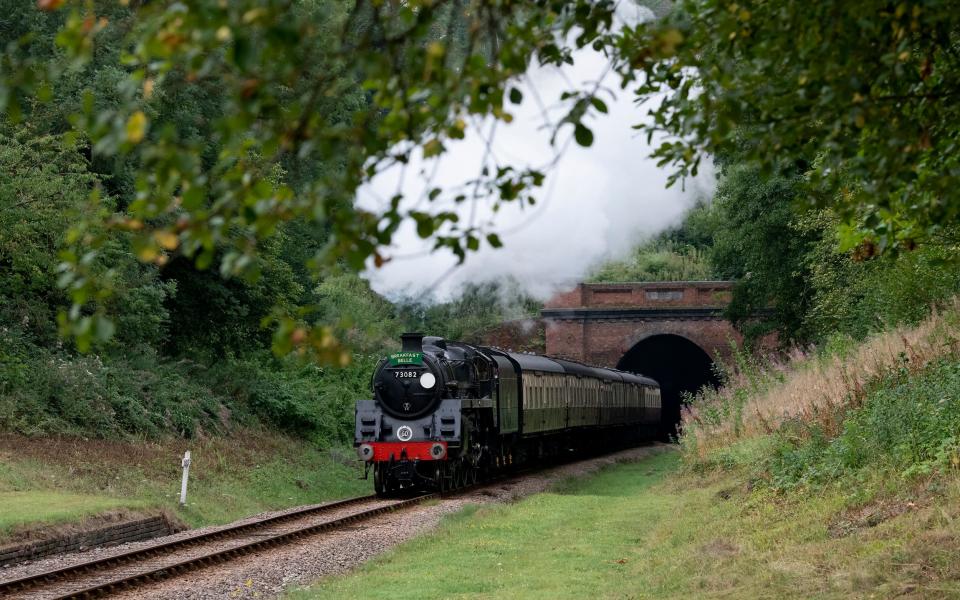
{"points": [[445, 414]]}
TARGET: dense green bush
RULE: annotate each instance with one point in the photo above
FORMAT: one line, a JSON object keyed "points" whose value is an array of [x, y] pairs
{"points": [[140, 395], [477, 308], [658, 261], [858, 297], [46, 391], [908, 424], [304, 399], [679, 253]]}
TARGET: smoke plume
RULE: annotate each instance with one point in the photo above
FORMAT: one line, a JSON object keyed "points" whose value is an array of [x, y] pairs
{"points": [[596, 204]]}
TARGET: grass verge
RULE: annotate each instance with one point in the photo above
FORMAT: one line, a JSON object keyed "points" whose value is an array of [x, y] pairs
{"points": [[51, 480], [22, 509], [651, 530]]}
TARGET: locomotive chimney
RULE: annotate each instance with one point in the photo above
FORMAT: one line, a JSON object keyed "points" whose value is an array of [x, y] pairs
{"points": [[411, 342]]}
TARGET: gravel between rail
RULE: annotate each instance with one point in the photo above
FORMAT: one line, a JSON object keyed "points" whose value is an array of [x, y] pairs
{"points": [[265, 574]]}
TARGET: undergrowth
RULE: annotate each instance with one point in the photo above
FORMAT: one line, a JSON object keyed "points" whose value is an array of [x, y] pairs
{"points": [[908, 425], [817, 388], [887, 409], [138, 395]]}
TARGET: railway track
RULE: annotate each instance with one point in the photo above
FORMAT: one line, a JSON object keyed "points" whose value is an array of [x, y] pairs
{"points": [[97, 578]]}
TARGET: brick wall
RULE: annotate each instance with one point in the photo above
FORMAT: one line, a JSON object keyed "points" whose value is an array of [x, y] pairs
{"points": [[129, 531], [593, 322], [645, 295], [607, 342]]}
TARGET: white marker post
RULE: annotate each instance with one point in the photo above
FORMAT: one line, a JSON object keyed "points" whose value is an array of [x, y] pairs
{"points": [[185, 463]]}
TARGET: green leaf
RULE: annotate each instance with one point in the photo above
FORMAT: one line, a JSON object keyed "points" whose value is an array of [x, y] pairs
{"points": [[583, 135], [598, 104], [104, 328], [193, 198], [243, 52], [204, 260], [136, 127], [432, 148], [425, 226]]}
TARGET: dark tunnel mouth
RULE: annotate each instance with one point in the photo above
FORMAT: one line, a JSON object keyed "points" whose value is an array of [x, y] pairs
{"points": [[677, 364]]}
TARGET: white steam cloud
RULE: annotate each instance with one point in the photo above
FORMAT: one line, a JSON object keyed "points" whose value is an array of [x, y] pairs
{"points": [[596, 203]]}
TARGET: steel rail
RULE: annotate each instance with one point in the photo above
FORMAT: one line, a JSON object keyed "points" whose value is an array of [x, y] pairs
{"points": [[27, 583], [112, 586]]}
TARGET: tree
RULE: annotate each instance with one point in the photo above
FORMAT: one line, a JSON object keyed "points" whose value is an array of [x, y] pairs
{"points": [[861, 95], [857, 95], [45, 185], [415, 72], [759, 243]]}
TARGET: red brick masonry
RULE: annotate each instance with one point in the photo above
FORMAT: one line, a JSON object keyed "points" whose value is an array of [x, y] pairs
{"points": [[599, 322]]}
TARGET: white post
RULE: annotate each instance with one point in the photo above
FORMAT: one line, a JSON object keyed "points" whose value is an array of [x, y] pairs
{"points": [[185, 463]]}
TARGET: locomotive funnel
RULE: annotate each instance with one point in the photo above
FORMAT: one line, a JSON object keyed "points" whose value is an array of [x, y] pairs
{"points": [[411, 342]]}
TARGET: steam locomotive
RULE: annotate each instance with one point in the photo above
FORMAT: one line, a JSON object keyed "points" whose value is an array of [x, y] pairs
{"points": [[446, 414]]}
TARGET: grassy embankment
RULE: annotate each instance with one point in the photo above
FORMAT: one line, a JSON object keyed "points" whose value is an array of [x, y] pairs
{"points": [[83, 434], [834, 475], [59, 480]]}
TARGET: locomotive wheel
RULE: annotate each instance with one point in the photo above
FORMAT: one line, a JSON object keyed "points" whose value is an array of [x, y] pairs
{"points": [[443, 483], [381, 484], [453, 476], [471, 475]]}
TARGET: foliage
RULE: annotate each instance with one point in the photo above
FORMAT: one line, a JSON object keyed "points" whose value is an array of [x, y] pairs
{"points": [[859, 297], [914, 437], [370, 321], [188, 358], [679, 253], [858, 95], [53, 392], [201, 102], [213, 315], [758, 244], [269, 77], [657, 261], [44, 189], [312, 402], [816, 389], [478, 308]]}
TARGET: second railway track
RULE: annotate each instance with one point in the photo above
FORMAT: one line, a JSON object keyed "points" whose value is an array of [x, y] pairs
{"points": [[102, 576]]}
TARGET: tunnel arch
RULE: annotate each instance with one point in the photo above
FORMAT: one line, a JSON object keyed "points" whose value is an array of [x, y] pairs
{"points": [[677, 363]]}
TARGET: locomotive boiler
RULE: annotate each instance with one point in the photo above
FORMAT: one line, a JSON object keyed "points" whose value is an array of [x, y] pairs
{"points": [[446, 414]]}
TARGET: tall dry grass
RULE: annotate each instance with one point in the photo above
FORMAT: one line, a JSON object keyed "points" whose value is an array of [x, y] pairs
{"points": [[814, 387]]}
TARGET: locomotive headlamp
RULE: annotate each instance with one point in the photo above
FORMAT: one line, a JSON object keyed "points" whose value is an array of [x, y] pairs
{"points": [[366, 452], [427, 381]]}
